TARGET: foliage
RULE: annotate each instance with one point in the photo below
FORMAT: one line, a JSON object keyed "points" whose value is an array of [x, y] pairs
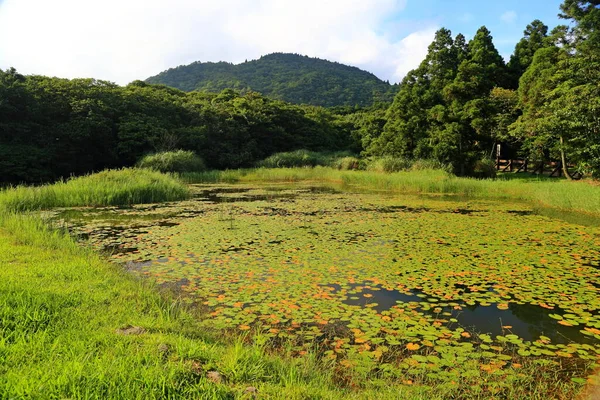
{"points": [[107, 188], [289, 77], [173, 161]]}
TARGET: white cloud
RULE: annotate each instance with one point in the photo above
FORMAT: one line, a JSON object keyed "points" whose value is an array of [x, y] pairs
{"points": [[123, 40], [509, 17]]}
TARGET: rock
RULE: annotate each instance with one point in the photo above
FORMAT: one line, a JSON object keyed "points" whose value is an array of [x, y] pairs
{"points": [[163, 348], [131, 330], [251, 390], [214, 376]]}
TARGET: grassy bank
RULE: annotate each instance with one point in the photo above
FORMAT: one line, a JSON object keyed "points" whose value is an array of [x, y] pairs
{"points": [[569, 196], [107, 188]]}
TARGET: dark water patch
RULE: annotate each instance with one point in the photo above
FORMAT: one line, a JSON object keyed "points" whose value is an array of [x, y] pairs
{"points": [[465, 211], [320, 190], [521, 212], [589, 261], [112, 249], [384, 298], [215, 196], [174, 286], [167, 224], [527, 321], [394, 209]]}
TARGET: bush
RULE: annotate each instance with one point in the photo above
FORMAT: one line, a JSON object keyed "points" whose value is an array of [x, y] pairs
{"points": [[484, 168], [173, 161], [389, 164]]}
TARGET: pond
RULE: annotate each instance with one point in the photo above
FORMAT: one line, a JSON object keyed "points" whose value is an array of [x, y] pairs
{"points": [[369, 272]]}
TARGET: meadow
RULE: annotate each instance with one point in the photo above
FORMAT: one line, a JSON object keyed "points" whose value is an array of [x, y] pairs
{"points": [[303, 283]]}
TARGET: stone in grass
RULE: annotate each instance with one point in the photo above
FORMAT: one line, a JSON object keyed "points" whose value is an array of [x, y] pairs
{"points": [[131, 330], [163, 349], [252, 391], [214, 377]]}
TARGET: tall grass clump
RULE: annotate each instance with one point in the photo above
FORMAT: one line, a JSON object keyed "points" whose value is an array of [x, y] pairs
{"points": [[389, 164], [292, 159], [107, 188], [173, 161], [303, 158], [348, 163]]}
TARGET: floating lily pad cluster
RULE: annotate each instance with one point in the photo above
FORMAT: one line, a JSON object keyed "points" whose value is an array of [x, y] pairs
{"points": [[410, 282]]}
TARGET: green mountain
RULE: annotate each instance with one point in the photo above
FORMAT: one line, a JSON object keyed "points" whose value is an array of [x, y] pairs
{"points": [[290, 77]]}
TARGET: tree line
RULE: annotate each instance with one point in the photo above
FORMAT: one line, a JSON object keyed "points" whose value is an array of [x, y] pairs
{"points": [[52, 128]]}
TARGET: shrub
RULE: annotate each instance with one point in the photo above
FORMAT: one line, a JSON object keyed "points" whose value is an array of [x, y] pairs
{"points": [[173, 161], [484, 168]]}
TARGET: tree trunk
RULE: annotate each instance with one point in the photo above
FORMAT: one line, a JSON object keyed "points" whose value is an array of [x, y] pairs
{"points": [[563, 159]]}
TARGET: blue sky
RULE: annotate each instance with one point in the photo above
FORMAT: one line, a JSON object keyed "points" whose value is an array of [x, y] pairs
{"points": [[505, 19], [124, 40]]}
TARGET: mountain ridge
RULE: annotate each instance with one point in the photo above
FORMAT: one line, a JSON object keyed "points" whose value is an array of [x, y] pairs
{"points": [[285, 76]]}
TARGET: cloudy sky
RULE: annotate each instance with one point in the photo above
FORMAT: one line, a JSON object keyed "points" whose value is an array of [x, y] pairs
{"points": [[124, 40]]}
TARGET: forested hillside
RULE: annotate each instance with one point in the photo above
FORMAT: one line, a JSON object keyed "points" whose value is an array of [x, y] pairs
{"points": [[290, 77]]}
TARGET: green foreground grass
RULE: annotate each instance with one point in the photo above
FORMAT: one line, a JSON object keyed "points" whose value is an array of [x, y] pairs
{"points": [[574, 196], [107, 188]]}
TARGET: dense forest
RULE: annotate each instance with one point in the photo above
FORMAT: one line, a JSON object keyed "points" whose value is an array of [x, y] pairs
{"points": [[454, 108], [52, 128], [289, 77]]}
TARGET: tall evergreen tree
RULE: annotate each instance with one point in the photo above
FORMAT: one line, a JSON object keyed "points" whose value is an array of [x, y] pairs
{"points": [[466, 133], [535, 37]]}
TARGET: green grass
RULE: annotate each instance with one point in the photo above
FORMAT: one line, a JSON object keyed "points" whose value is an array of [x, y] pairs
{"points": [[107, 188], [578, 196]]}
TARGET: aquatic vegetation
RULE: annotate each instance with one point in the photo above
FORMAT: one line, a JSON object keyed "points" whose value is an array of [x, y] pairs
{"points": [[391, 285], [572, 196], [107, 188]]}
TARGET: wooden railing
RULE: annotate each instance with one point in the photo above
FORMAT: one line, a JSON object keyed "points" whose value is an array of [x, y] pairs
{"points": [[547, 168]]}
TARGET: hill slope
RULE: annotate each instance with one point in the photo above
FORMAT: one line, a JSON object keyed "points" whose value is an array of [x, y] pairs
{"points": [[290, 77]]}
